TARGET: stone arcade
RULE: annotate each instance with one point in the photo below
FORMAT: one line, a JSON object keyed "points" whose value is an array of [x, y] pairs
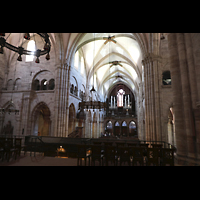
{"points": [[149, 81]]}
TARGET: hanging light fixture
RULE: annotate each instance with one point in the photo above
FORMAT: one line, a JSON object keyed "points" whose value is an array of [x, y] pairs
{"points": [[27, 36], [38, 52], [93, 89], [48, 56], [2, 43], [22, 51]]}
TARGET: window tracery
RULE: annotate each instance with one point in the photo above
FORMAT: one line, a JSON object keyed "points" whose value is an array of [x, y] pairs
{"points": [[120, 95]]}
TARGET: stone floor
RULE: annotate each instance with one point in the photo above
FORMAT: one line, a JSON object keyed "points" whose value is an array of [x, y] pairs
{"points": [[39, 160]]}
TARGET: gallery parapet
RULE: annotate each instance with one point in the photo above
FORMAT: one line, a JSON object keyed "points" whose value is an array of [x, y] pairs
{"points": [[92, 105]]}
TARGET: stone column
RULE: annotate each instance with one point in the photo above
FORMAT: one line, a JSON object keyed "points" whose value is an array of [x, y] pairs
{"points": [[156, 89], [177, 96], [60, 101], [195, 39], [188, 119], [191, 69], [146, 88], [196, 53], [68, 71], [152, 97], [152, 100], [25, 114]]}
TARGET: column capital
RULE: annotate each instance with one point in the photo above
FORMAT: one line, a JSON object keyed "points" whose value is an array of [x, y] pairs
{"points": [[151, 58], [62, 66], [141, 84]]}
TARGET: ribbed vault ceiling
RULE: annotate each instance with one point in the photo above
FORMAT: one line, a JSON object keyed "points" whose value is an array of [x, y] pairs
{"points": [[112, 61]]}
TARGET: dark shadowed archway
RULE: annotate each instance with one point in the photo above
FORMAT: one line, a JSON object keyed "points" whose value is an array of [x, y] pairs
{"points": [[41, 120]]}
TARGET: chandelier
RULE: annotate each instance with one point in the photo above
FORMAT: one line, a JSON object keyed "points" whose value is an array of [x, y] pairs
{"points": [[20, 50]]}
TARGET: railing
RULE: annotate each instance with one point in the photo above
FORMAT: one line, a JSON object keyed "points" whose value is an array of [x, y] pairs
{"points": [[13, 136], [121, 116], [48, 144], [164, 144], [37, 145], [156, 153], [74, 134]]}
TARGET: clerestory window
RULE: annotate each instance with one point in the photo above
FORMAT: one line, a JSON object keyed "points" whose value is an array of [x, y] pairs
{"points": [[30, 47], [166, 78]]}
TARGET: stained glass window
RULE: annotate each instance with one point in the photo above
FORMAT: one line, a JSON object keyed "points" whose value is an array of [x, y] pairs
{"points": [[120, 95], [124, 124], [117, 124]]}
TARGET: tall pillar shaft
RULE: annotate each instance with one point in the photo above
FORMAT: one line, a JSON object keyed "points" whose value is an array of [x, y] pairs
{"points": [[177, 96], [188, 118], [195, 40], [61, 101], [152, 98]]}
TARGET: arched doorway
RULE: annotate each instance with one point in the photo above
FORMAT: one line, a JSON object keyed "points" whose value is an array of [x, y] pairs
{"points": [[117, 129], [124, 129], [41, 118], [109, 128], [132, 128], [71, 124]]}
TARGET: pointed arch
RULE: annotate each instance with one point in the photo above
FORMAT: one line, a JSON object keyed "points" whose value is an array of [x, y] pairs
{"points": [[71, 118], [41, 120], [17, 84]]}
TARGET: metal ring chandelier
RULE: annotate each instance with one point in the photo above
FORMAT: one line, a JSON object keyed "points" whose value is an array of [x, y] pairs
{"points": [[20, 50]]}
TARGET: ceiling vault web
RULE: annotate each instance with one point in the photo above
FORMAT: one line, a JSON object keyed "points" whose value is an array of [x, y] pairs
{"points": [[120, 61]]}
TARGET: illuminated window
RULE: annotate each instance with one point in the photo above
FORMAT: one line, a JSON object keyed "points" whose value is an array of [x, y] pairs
{"points": [[109, 125], [82, 66], [166, 78], [76, 62], [120, 95], [30, 47], [124, 124], [44, 84], [117, 124], [132, 125]]}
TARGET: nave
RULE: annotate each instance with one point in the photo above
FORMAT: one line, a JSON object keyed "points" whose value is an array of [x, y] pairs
{"points": [[89, 85], [45, 151]]}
